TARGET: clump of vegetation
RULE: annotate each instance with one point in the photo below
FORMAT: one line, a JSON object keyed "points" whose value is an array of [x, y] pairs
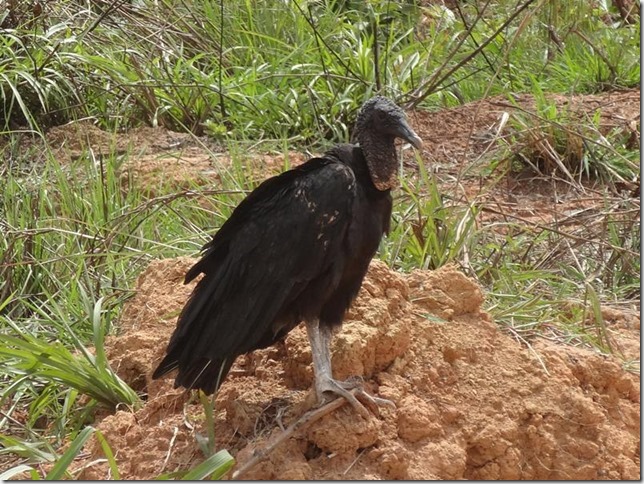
{"points": [[559, 141], [191, 65], [284, 74]]}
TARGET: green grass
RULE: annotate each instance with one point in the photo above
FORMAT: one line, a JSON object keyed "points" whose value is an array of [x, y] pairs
{"points": [[428, 229], [284, 75], [74, 241], [185, 66]]}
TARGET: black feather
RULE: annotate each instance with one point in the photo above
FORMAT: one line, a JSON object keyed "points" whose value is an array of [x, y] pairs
{"points": [[298, 247]]}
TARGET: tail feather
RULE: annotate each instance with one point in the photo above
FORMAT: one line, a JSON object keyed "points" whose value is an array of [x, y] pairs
{"points": [[204, 374], [185, 352], [207, 375], [168, 364]]}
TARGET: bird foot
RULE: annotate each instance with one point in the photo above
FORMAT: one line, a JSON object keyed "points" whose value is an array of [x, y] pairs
{"points": [[353, 391]]}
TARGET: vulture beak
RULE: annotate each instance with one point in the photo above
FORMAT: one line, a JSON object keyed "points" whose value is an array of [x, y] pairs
{"points": [[404, 131]]}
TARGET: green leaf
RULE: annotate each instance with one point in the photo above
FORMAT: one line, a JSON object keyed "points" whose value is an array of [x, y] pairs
{"points": [[213, 467], [14, 471], [58, 471], [107, 450]]}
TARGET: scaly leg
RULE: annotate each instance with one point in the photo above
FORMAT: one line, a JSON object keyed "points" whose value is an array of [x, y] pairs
{"points": [[320, 339]]}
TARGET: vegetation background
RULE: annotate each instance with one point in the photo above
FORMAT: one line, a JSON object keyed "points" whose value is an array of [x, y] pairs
{"points": [[275, 75]]}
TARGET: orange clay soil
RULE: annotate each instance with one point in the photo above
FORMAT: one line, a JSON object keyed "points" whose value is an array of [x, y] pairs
{"points": [[471, 401]]}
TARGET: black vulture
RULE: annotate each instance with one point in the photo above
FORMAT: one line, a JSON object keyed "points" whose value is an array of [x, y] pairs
{"points": [[295, 249]]}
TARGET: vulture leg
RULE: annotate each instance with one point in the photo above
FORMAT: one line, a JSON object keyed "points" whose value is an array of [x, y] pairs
{"points": [[320, 339]]}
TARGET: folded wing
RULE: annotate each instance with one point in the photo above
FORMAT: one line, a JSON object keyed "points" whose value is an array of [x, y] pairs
{"points": [[272, 263]]}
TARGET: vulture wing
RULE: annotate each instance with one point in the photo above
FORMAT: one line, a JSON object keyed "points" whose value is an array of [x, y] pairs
{"points": [[264, 271]]}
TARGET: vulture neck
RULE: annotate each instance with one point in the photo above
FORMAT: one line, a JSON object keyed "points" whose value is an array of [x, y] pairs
{"points": [[380, 152]]}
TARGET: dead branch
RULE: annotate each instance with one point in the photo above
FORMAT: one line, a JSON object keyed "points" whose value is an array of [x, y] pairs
{"points": [[305, 420]]}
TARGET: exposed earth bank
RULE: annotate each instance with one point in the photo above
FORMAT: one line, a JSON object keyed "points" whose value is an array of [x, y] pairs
{"points": [[471, 401]]}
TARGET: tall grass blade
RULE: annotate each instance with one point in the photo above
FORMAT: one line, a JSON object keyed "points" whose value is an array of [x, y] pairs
{"points": [[62, 464], [213, 468]]}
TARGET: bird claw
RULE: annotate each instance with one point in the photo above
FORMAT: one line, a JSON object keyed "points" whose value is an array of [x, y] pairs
{"points": [[352, 391]]}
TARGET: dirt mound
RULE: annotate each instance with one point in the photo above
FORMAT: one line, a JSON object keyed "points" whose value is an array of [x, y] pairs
{"points": [[471, 402]]}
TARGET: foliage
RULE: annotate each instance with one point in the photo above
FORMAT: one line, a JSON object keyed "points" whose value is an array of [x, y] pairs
{"points": [[190, 65], [429, 230], [558, 141]]}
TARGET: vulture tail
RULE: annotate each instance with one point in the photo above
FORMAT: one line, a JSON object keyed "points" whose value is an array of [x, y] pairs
{"points": [[203, 373]]}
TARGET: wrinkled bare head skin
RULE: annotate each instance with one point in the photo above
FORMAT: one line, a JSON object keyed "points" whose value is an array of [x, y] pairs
{"points": [[380, 121]]}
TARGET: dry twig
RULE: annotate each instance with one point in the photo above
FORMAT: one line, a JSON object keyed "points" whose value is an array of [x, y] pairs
{"points": [[305, 420]]}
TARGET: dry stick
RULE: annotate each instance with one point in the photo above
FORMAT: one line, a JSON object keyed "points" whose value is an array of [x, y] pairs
{"points": [[599, 53], [376, 52], [222, 106], [469, 31], [559, 232], [329, 49], [167, 456], [307, 419], [428, 87]]}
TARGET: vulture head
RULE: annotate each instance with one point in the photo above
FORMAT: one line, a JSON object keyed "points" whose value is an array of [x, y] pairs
{"points": [[379, 122]]}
